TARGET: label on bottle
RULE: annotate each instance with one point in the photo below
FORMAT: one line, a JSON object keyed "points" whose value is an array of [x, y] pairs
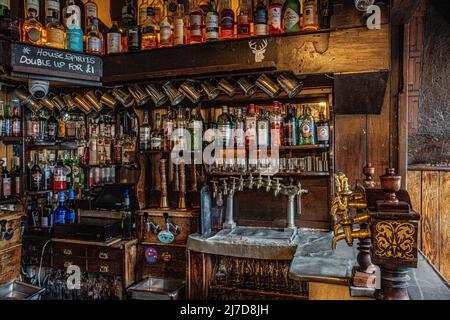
{"points": [[16, 128], [55, 36], [6, 187], [308, 16], [263, 133], [250, 128], [94, 44], [37, 180], [227, 25], [133, 38], [179, 31], [196, 25], [17, 185], [5, 3], [72, 17], [32, 4], [75, 39], [165, 32], [275, 17], [290, 134], [149, 40], [51, 6], [291, 18], [44, 222], [243, 26], [142, 15], [34, 35], [113, 45], [144, 137], [196, 128], [260, 29], [323, 133], [91, 10], [212, 27], [227, 134], [275, 136]]}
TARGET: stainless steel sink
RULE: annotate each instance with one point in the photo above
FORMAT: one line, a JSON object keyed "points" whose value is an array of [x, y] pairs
{"points": [[157, 289], [17, 290], [261, 234]]}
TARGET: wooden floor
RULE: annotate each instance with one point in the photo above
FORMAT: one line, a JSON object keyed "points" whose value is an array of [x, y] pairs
{"points": [[430, 195]]}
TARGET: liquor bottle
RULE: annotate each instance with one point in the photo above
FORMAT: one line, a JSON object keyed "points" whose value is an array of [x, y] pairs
{"points": [[7, 126], [32, 5], [133, 35], [72, 15], [149, 31], [71, 213], [46, 174], [196, 130], [276, 126], [52, 128], [243, 23], [36, 176], [212, 22], [260, 20], [6, 180], [275, 21], [59, 179], [299, 125], [51, 7], [156, 136], [290, 128], [113, 40], [32, 30], [16, 177], [2, 119], [142, 12], [94, 39], [93, 147], [5, 8], [35, 134], [250, 126], [61, 210], [310, 16], [179, 37], [168, 129], [180, 123], [74, 36], [144, 133], [323, 129], [165, 29], [68, 170], [308, 128], [91, 11], [47, 218], [43, 131], [240, 129], [56, 34], [17, 122], [263, 130], [196, 23], [291, 16], [61, 128], [226, 20], [224, 124], [326, 11], [127, 223]]}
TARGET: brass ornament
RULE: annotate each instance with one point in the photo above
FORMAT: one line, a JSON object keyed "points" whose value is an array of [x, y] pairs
{"points": [[395, 240]]}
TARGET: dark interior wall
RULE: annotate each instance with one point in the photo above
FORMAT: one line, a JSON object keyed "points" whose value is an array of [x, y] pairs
{"points": [[431, 142]]}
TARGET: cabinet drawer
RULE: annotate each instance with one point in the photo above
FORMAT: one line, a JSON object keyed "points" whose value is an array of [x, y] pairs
{"points": [[104, 254], [104, 267], [68, 250], [63, 262]]}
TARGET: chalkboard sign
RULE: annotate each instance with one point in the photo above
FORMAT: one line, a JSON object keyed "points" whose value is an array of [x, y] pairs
{"points": [[55, 63]]}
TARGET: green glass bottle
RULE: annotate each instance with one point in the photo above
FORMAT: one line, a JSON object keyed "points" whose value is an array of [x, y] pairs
{"points": [[196, 129], [308, 128], [224, 124], [291, 16]]}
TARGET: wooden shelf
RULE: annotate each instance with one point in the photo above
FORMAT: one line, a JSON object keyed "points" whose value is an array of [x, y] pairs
{"points": [[281, 174], [260, 292], [11, 200], [11, 140]]}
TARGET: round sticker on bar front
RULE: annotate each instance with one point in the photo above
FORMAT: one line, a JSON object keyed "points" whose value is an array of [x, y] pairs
{"points": [[151, 255], [166, 236]]}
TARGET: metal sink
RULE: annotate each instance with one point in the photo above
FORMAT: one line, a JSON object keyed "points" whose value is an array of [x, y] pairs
{"points": [[17, 290], [259, 234], [157, 289]]}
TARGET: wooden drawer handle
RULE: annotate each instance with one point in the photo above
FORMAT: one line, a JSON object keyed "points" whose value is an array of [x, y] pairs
{"points": [[103, 256], [104, 269], [67, 264], [67, 252]]}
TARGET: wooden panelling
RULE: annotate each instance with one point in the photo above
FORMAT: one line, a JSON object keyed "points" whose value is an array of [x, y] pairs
{"points": [[10, 264], [444, 209], [415, 192], [430, 217]]}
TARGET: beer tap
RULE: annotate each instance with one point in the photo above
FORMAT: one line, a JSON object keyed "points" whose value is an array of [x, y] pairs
{"points": [[224, 186], [241, 184], [175, 229], [251, 182], [214, 188], [233, 187], [259, 182], [277, 186], [268, 184], [150, 226]]}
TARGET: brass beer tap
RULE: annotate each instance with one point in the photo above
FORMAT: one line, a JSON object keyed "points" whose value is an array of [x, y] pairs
{"points": [[224, 186], [277, 186], [268, 184], [214, 188], [251, 181], [259, 182], [241, 184]]}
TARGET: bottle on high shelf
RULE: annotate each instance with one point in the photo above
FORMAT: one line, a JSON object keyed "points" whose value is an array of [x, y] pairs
{"points": [[52, 128], [51, 7], [156, 136], [91, 11], [32, 30], [127, 217], [149, 31], [212, 22], [165, 29], [260, 20], [34, 127], [308, 128], [299, 125], [133, 40], [144, 133], [59, 178], [168, 129], [56, 34], [179, 37], [310, 16], [6, 180], [61, 210], [71, 213], [323, 129], [196, 130], [290, 127], [276, 126], [71, 15], [226, 20], [180, 123], [5, 8], [2, 118], [74, 35], [275, 17], [36, 175], [240, 129], [17, 122], [47, 181], [224, 124], [7, 122], [43, 131], [113, 40], [251, 120], [291, 16], [142, 12], [94, 39], [196, 23], [187, 32], [263, 129], [243, 23], [16, 178], [47, 218], [326, 11], [33, 5]]}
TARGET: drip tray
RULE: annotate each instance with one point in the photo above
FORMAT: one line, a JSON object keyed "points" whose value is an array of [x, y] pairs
{"points": [[257, 234], [157, 289]]}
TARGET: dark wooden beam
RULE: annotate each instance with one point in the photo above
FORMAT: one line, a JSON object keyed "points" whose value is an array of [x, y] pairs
{"points": [[403, 10]]}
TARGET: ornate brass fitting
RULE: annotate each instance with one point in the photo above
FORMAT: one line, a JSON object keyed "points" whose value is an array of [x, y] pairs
{"points": [[345, 199], [259, 182], [268, 184]]}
